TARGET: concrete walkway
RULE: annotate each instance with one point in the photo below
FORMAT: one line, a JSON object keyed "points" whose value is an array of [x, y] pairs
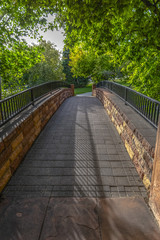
{"points": [[77, 183]]}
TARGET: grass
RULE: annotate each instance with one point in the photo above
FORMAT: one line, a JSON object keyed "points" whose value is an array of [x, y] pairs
{"points": [[86, 89]]}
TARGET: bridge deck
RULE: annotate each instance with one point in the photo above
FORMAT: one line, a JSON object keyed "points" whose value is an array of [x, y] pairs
{"points": [[77, 182]]}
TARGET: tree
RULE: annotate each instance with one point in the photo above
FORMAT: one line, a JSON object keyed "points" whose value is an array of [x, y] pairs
{"points": [[78, 81], [18, 19], [48, 69], [86, 62], [13, 64], [128, 29]]}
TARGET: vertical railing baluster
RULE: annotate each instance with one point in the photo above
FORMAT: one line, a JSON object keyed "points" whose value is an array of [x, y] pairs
{"points": [[11, 106], [147, 107], [16, 103], [144, 105], [1, 111], [32, 97], [125, 96], [154, 114], [5, 116]]}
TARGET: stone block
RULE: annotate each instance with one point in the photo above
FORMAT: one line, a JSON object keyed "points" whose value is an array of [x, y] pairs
{"points": [[37, 131], [37, 124], [3, 181], [27, 137], [147, 158], [4, 168], [15, 164], [147, 147], [131, 126], [16, 152], [5, 155], [119, 129], [27, 120], [25, 150], [137, 142], [138, 135], [17, 141], [129, 131], [1, 146], [129, 150], [9, 138], [28, 128], [146, 181], [32, 139], [35, 112], [36, 119]]}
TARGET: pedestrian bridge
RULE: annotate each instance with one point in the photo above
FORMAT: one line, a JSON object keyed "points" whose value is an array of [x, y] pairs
{"points": [[80, 180]]}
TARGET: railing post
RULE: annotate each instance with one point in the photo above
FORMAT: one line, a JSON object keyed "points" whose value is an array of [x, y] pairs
{"points": [[1, 114], [32, 97], [154, 198], [0, 88], [125, 96], [111, 86], [72, 88], [93, 87]]}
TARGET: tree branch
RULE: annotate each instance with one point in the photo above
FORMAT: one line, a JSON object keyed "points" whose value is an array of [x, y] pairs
{"points": [[147, 3], [156, 1]]}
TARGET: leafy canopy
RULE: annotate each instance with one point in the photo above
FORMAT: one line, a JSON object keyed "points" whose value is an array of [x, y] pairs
{"points": [[127, 31], [48, 69]]}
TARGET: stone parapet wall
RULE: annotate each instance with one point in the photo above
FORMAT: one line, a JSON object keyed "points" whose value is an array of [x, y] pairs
{"points": [[16, 142], [139, 150]]}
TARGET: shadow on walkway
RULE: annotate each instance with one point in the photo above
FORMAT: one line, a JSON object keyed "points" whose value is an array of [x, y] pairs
{"points": [[64, 186]]}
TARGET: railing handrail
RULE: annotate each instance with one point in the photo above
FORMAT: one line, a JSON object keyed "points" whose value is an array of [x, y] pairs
{"points": [[130, 89], [32, 88], [147, 107], [13, 105]]}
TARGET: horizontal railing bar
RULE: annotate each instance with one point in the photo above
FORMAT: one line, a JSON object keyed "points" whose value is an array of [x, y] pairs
{"points": [[147, 107], [13, 105], [29, 89], [12, 116], [141, 94]]}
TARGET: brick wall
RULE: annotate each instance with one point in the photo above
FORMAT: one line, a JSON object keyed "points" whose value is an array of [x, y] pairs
{"points": [[139, 150], [15, 143]]}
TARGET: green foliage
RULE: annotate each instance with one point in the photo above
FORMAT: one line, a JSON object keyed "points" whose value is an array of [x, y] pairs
{"points": [[49, 69], [110, 36], [19, 18], [78, 81], [128, 29], [89, 63], [14, 62]]}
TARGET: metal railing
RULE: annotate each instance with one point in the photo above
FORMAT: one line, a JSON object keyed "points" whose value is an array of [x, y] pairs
{"points": [[145, 106], [11, 106]]}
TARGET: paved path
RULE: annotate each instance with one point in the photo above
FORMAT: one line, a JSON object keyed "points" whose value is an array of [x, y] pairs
{"points": [[76, 183], [78, 154]]}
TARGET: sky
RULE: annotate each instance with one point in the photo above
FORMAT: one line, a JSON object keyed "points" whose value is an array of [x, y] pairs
{"points": [[55, 37]]}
